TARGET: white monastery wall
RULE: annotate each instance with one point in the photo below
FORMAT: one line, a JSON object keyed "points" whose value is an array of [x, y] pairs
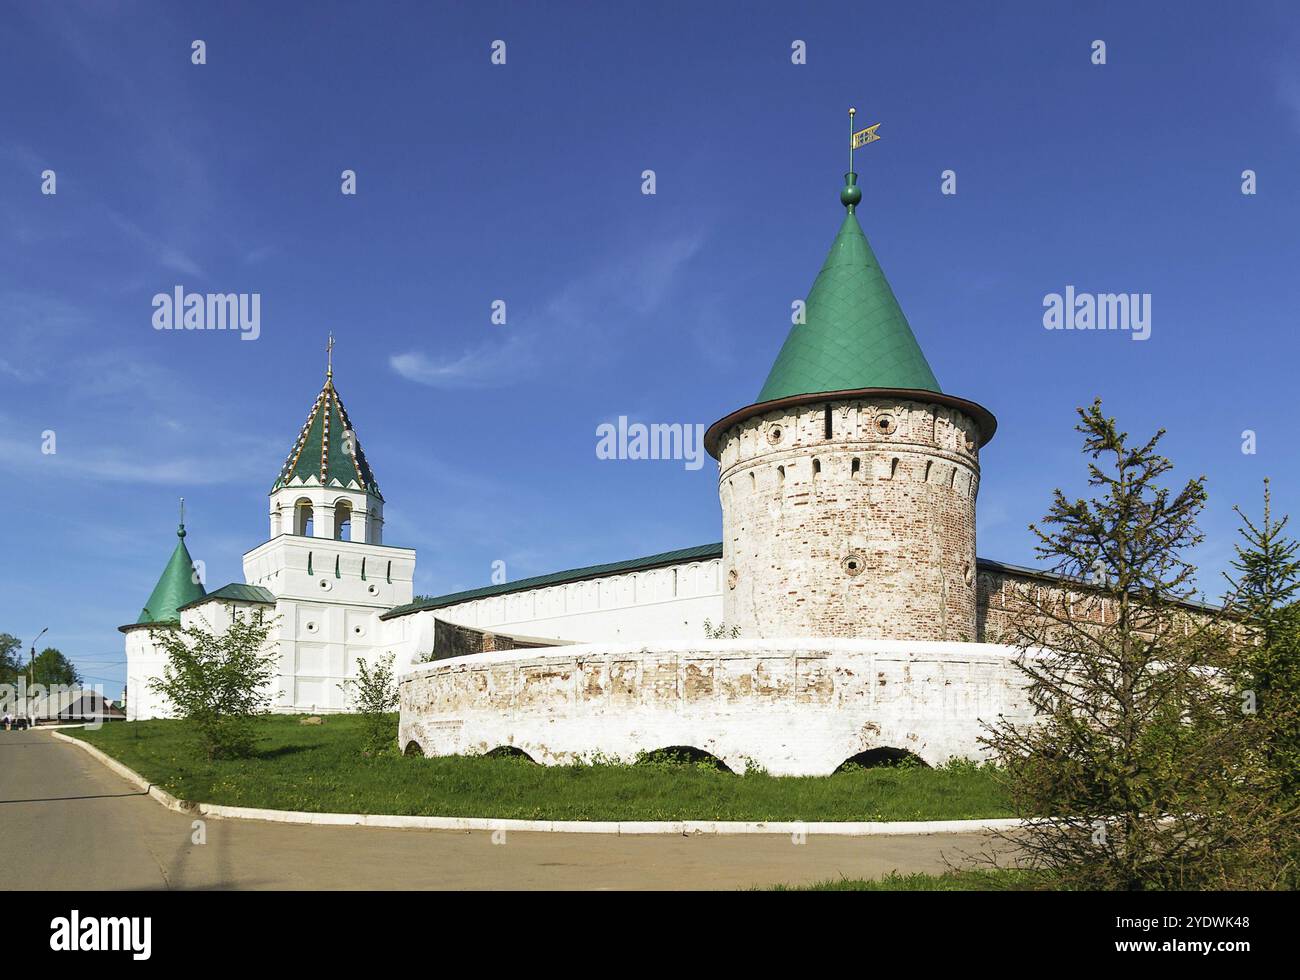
{"points": [[146, 658], [144, 662], [795, 707], [656, 605], [329, 596]]}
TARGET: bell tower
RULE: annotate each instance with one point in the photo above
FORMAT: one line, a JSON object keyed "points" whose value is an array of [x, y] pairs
{"points": [[326, 563], [325, 488]]}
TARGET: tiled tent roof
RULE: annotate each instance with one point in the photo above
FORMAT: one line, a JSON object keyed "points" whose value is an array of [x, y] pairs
{"points": [[318, 457], [854, 335]]}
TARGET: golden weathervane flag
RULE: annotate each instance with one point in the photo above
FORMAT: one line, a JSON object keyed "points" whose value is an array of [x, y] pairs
{"points": [[864, 136]]}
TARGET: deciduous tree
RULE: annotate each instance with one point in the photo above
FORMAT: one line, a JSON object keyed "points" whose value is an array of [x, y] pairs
{"points": [[374, 695], [51, 668], [219, 681], [11, 664]]}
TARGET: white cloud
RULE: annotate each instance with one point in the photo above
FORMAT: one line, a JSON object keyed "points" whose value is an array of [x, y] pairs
{"points": [[486, 365], [167, 255], [579, 316], [17, 372], [113, 416], [121, 464]]}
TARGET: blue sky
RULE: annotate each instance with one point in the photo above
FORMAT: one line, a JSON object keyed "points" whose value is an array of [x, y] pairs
{"points": [[522, 182]]}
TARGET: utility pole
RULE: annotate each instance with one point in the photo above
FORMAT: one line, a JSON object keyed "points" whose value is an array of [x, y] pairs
{"points": [[31, 674]]}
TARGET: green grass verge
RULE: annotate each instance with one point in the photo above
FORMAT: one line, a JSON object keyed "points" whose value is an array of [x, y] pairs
{"points": [[322, 769], [952, 881]]}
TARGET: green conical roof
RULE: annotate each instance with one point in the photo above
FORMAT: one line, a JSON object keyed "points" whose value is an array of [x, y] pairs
{"points": [[854, 334], [175, 588], [319, 457]]}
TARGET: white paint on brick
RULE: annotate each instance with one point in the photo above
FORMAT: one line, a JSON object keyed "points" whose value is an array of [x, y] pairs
{"points": [[325, 620], [793, 706], [868, 533]]}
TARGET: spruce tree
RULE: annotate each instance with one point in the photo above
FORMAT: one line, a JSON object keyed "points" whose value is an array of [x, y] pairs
{"points": [[1135, 772], [1264, 592]]}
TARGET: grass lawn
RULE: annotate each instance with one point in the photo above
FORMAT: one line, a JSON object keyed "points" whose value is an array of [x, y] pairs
{"points": [[321, 768], [952, 881]]}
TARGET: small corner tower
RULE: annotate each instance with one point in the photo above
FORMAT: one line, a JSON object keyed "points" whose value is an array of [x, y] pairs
{"points": [[848, 488], [177, 586]]}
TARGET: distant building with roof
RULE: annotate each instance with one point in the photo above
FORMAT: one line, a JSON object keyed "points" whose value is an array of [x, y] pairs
{"points": [[70, 704]]}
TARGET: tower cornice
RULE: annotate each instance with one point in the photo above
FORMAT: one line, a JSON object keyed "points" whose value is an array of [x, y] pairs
{"points": [[981, 415]]}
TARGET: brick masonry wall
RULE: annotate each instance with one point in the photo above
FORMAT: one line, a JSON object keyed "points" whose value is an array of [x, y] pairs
{"points": [[1005, 595], [868, 533], [452, 640]]}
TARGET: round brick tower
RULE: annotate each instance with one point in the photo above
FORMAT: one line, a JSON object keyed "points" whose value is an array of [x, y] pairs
{"points": [[848, 488]]}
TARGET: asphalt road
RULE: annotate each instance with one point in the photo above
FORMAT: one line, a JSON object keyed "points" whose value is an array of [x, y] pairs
{"points": [[67, 822]]}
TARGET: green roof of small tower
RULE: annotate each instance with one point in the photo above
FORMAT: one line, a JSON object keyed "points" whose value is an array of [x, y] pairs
{"points": [[175, 588], [319, 458], [855, 334]]}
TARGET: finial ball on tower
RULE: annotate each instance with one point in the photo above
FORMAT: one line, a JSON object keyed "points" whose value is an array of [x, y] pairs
{"points": [[851, 193]]}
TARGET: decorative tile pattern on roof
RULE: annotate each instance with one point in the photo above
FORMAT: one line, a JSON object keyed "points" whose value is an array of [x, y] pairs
{"points": [[319, 456]]}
